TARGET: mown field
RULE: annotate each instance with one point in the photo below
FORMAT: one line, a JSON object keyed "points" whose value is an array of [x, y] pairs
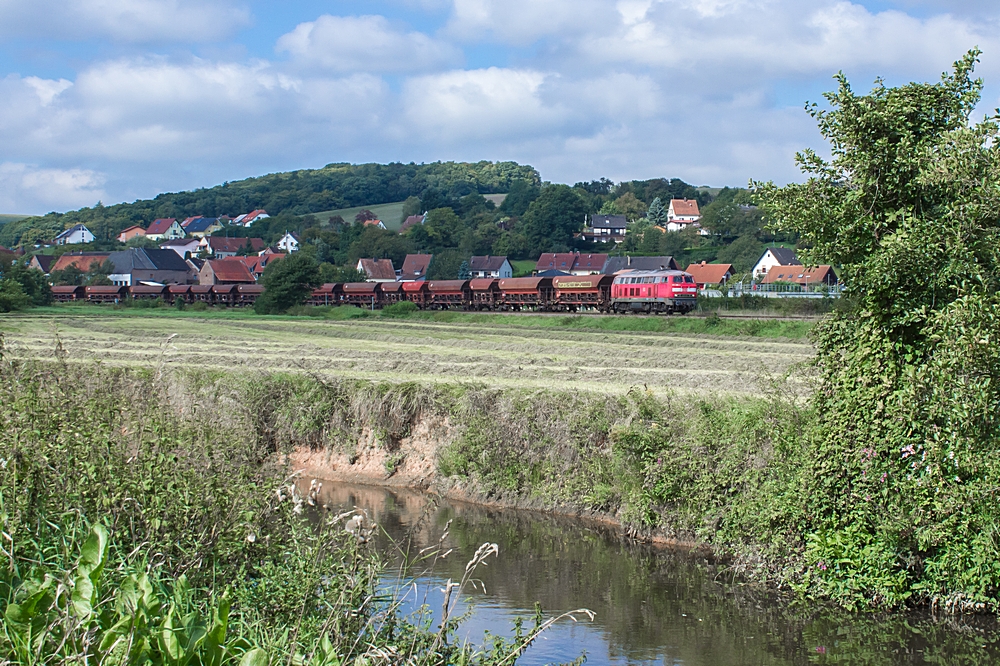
{"points": [[494, 350], [391, 214]]}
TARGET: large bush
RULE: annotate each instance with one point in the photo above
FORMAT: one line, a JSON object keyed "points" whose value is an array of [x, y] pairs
{"points": [[901, 490]]}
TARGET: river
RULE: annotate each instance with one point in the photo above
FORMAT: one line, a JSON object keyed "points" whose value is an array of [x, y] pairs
{"points": [[652, 606]]}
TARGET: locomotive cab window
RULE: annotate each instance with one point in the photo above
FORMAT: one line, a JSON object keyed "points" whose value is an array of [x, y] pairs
{"points": [[677, 279], [688, 279]]}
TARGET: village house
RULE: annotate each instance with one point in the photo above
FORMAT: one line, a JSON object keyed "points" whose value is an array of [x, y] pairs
{"points": [[289, 242], [573, 263], [615, 265], [132, 232], [375, 223], [774, 256], [184, 247], [684, 214], [412, 221], [415, 267], [136, 265], [710, 274], [219, 247], [490, 267], [75, 235], [377, 270], [801, 275], [248, 219], [164, 228], [199, 227], [225, 271], [606, 228], [41, 262]]}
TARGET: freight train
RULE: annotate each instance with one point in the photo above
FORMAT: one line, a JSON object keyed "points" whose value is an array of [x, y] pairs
{"points": [[651, 292]]}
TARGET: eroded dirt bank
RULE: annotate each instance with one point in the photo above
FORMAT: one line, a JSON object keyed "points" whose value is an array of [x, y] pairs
{"points": [[414, 465]]}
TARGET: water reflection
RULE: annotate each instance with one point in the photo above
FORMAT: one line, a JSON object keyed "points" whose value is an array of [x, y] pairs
{"points": [[653, 606]]}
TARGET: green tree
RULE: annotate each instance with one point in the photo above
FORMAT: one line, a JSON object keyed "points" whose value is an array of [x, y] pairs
{"points": [[657, 213], [743, 253], [631, 207], [553, 218], [32, 282], [287, 283], [142, 241], [411, 207], [519, 198], [903, 477], [71, 275], [463, 271], [12, 296]]}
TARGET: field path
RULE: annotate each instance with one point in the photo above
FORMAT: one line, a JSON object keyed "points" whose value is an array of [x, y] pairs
{"points": [[412, 350]]}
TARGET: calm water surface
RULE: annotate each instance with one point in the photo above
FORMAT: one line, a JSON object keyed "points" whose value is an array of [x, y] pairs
{"points": [[652, 606]]}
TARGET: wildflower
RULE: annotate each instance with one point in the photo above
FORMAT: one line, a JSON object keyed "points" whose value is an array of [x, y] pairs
{"points": [[885, 475], [251, 538], [821, 566]]}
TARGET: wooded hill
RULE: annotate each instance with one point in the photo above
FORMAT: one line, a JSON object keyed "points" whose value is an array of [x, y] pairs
{"points": [[294, 192]]}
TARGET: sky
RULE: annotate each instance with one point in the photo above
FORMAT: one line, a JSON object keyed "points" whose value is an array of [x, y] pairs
{"points": [[118, 100]]}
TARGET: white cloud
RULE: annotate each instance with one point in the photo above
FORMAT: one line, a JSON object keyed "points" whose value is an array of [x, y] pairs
{"points": [[522, 22], [485, 103], [47, 89], [122, 20], [366, 44], [29, 189]]}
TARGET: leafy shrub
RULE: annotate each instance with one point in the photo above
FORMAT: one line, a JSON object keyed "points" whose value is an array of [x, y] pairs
{"points": [[401, 309]]}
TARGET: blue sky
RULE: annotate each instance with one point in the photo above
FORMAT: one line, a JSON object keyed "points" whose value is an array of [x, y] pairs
{"points": [[116, 100]]}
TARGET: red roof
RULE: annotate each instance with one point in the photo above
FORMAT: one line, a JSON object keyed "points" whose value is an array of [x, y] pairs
{"points": [[221, 244], [801, 275], [160, 226], [704, 273], [415, 266], [378, 269], [685, 207], [411, 221], [230, 271], [82, 261]]}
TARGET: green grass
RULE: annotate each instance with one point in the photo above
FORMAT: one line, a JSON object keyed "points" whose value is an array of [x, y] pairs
{"points": [[4, 218], [522, 267], [391, 214]]}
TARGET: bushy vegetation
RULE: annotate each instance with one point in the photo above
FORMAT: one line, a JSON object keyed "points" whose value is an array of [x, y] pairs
{"points": [[901, 468], [147, 518]]}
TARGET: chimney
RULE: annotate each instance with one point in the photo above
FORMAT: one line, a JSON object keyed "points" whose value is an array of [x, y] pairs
{"points": [[628, 261], [703, 262]]}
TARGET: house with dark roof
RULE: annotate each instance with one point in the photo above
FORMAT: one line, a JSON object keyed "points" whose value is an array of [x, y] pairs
{"points": [[806, 276], [41, 262], [573, 263], [411, 221], [490, 267], [377, 270], [75, 235], [705, 273], [774, 256], [415, 267], [200, 227], [164, 228], [225, 271], [605, 229], [137, 264], [627, 263], [220, 248]]}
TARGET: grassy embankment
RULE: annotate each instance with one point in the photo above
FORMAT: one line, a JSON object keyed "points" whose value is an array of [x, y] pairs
{"points": [[148, 518]]}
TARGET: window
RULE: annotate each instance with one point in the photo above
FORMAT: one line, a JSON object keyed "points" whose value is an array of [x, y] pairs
{"points": [[666, 279], [677, 279], [688, 279]]}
